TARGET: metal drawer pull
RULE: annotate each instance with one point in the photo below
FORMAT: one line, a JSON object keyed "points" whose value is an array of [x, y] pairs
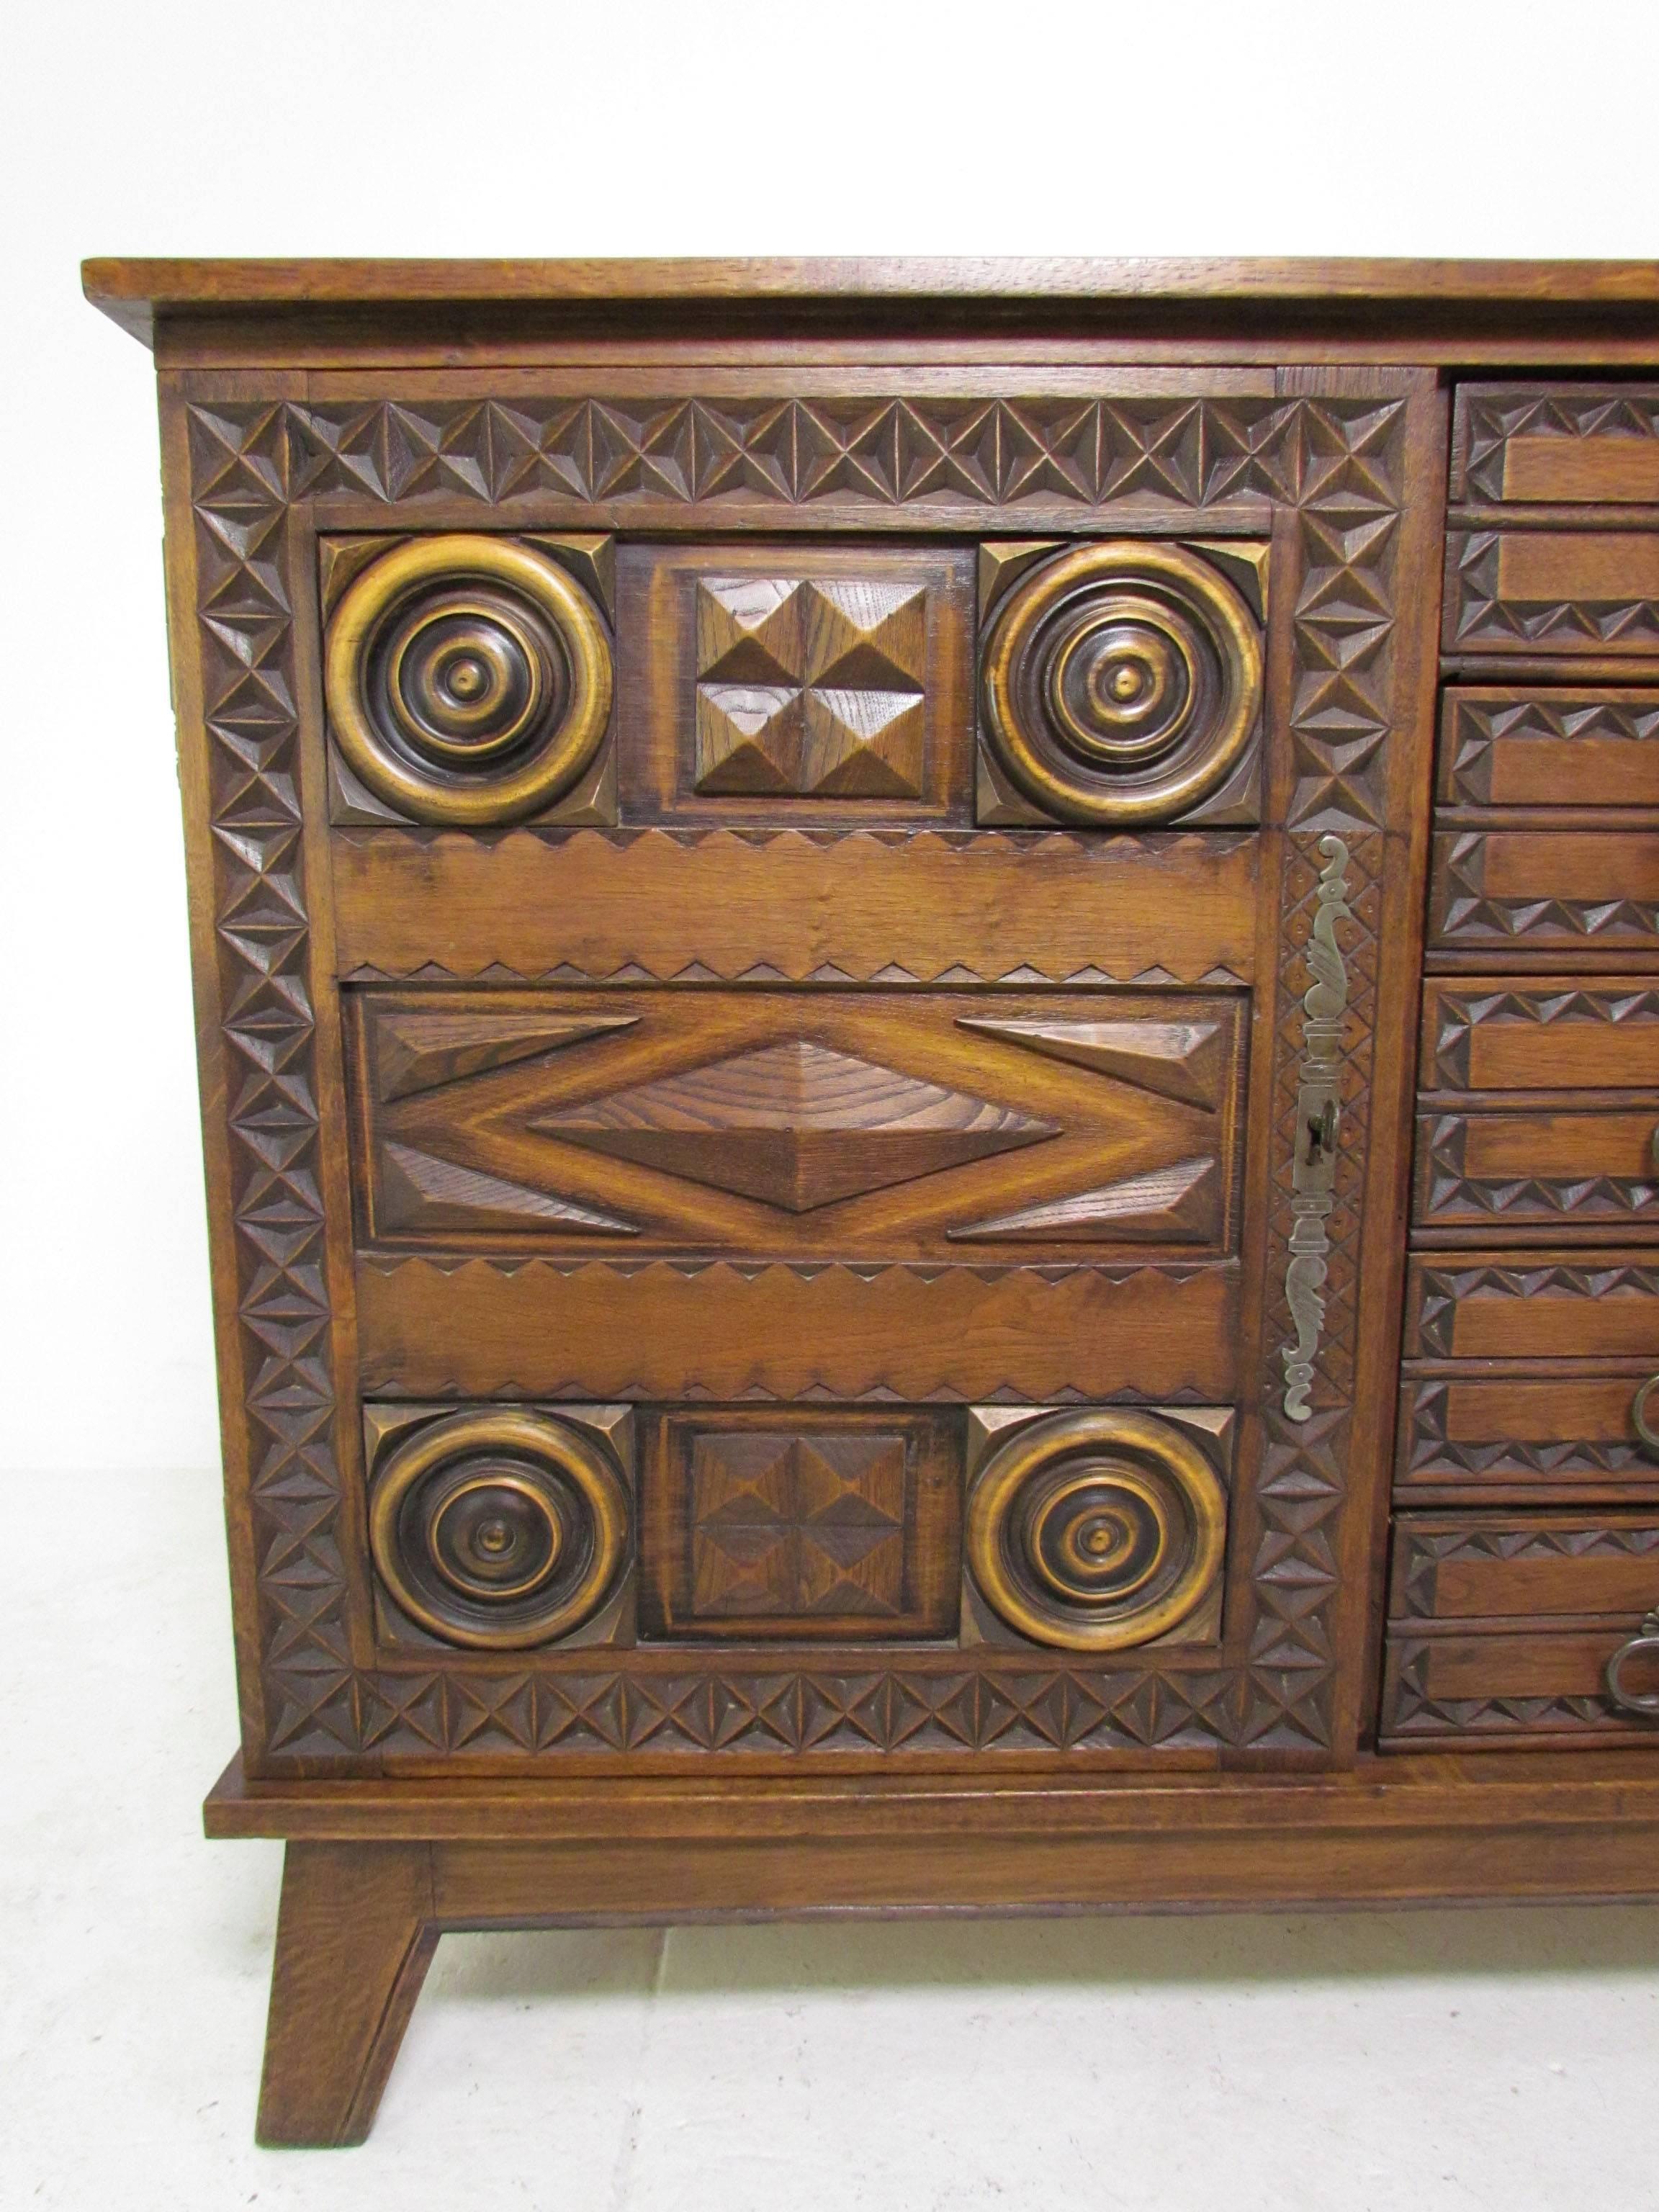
{"points": [[1646, 1433], [1646, 1638]]}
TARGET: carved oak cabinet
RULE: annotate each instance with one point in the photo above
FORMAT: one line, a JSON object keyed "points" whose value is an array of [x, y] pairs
{"points": [[929, 1012]]}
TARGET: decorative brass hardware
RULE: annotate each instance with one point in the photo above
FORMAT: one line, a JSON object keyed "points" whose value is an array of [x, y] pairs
{"points": [[1319, 1110], [498, 1529], [1094, 1531], [1646, 1639], [1121, 682], [468, 679]]}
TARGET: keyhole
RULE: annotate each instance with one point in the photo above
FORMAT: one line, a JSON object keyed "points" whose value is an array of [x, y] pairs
{"points": [[1321, 1132]]}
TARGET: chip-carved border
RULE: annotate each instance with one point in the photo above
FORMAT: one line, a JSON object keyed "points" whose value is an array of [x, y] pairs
{"points": [[1338, 461]]}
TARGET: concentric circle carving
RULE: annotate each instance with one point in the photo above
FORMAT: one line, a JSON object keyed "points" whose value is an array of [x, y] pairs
{"points": [[498, 1529], [1121, 682], [468, 678], [1093, 1531]]}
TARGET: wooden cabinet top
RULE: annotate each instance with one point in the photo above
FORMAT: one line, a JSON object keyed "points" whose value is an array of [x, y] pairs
{"points": [[1473, 306]]}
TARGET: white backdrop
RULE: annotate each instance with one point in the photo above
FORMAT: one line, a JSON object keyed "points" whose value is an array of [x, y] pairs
{"points": [[508, 127]]}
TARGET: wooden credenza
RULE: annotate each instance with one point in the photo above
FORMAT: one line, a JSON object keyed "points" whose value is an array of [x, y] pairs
{"points": [[929, 1013]]}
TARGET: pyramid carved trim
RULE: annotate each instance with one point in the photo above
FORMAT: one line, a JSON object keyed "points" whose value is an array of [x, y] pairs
{"points": [[1174, 1202], [418, 1051], [1183, 1061], [441, 1182]]}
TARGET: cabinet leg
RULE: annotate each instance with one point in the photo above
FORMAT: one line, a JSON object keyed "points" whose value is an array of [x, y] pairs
{"points": [[355, 1936]]}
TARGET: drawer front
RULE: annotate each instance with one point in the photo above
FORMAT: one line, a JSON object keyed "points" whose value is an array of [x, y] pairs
{"points": [[1522, 1568], [1528, 1306], [1502, 746], [1569, 1432], [1502, 1627], [1544, 889], [1556, 444], [1569, 592], [1489, 1170], [1500, 1034], [1506, 1692]]}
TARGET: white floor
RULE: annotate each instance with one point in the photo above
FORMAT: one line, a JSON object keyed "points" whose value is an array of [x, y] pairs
{"points": [[1501, 2059]]}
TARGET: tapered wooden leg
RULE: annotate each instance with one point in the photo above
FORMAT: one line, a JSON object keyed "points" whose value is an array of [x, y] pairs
{"points": [[355, 1936]]}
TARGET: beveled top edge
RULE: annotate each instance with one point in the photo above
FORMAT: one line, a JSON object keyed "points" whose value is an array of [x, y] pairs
{"points": [[134, 293]]}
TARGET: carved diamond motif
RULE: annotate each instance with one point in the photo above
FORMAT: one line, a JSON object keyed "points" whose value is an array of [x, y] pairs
{"points": [[794, 1126], [809, 1524], [813, 689]]}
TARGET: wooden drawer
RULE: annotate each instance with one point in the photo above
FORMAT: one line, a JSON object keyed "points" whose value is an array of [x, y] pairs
{"points": [[1556, 444], [1527, 1169], [1504, 1692], [1544, 890], [1502, 1625], [1569, 592], [1530, 1306], [1517, 1569], [1504, 746], [1496, 1034], [1524, 1436]]}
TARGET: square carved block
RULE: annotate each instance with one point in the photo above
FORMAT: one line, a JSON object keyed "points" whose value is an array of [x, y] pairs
{"points": [[811, 1526], [776, 684]]}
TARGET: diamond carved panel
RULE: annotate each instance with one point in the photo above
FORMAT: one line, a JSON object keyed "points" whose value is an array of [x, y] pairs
{"points": [[854, 1126]]}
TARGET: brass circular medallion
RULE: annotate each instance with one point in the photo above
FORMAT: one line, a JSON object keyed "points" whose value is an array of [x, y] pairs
{"points": [[468, 679], [1093, 1531], [1121, 682], [498, 1529]]}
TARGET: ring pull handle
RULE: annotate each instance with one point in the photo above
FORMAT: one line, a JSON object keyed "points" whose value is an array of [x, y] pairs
{"points": [[1647, 1435], [1646, 1639]]}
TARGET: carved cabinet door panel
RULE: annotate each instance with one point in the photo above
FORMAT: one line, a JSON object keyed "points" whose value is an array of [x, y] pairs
{"points": [[810, 1034]]}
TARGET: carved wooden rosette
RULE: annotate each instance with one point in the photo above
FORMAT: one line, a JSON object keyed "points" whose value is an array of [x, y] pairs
{"points": [[498, 1529], [1121, 682], [1096, 1531], [317, 1693], [468, 678]]}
